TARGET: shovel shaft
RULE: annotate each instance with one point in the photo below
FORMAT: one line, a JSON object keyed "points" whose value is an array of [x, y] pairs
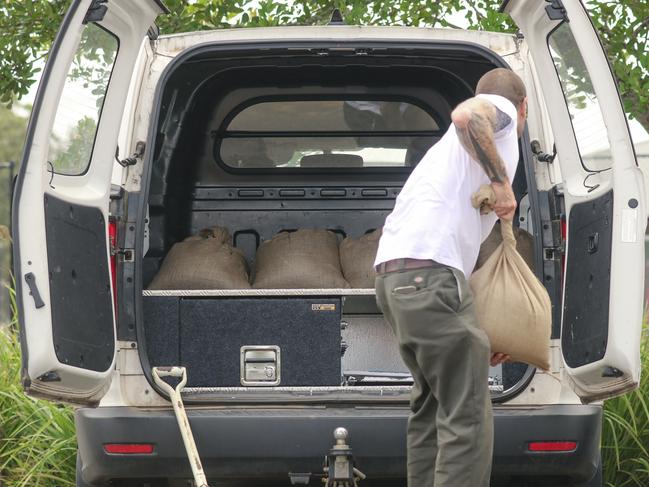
{"points": [[181, 417]]}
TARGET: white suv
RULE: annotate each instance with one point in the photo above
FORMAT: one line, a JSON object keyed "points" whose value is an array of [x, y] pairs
{"points": [[277, 129]]}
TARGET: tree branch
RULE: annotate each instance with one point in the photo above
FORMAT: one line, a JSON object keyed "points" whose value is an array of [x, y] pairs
{"points": [[638, 28]]}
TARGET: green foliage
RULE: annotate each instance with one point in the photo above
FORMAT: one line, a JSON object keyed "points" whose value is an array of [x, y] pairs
{"points": [[625, 435], [26, 33], [74, 157], [37, 441], [28, 28], [206, 14], [624, 29], [12, 135]]}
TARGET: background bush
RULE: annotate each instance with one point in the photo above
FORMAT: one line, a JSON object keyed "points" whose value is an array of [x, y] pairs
{"points": [[37, 441], [625, 433]]}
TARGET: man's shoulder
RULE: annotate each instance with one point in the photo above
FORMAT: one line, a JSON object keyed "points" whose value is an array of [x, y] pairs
{"points": [[442, 147]]}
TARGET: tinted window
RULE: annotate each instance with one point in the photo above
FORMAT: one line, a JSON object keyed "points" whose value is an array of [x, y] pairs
{"points": [[327, 133], [75, 124], [585, 111]]}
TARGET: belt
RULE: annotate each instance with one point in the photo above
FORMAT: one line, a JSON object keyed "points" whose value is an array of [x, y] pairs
{"points": [[405, 264]]}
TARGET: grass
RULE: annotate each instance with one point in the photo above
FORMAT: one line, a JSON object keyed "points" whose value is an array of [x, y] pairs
{"points": [[37, 441], [38, 444], [625, 434]]}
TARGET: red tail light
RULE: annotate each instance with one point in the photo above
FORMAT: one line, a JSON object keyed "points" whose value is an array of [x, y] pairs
{"points": [[112, 241], [552, 446], [129, 448]]}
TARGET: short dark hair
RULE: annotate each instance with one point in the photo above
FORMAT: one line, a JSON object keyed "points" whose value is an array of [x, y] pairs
{"points": [[503, 82]]}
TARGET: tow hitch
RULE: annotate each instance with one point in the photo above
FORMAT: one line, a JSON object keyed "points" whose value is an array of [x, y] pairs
{"points": [[339, 470], [181, 416], [339, 464]]}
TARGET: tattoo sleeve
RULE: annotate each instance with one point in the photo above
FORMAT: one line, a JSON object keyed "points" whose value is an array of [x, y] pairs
{"points": [[476, 135]]}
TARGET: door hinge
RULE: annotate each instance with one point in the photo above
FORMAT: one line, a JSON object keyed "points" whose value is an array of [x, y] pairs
{"points": [[611, 372], [128, 255], [96, 12], [50, 376], [154, 32], [552, 253], [33, 290], [557, 248], [140, 147], [543, 156], [556, 10]]}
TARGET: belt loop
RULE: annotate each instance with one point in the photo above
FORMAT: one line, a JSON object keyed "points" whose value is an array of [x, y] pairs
{"points": [[401, 264]]}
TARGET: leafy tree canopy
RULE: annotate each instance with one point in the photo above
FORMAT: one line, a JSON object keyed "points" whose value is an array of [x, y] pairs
{"points": [[27, 30]]}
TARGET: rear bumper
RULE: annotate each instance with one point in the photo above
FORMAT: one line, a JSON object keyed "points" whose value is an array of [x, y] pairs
{"points": [[269, 443]]}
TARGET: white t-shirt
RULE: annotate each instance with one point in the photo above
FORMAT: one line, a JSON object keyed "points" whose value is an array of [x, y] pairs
{"points": [[433, 217]]}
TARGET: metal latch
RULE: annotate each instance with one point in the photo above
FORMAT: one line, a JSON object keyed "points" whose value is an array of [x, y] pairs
{"points": [[140, 147], [260, 365]]}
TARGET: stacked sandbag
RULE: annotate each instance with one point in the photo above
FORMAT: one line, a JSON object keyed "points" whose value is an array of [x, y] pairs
{"points": [[206, 260], [220, 234], [524, 246], [304, 259], [357, 259], [512, 306]]}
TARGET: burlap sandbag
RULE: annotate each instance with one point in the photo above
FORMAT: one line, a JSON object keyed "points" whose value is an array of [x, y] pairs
{"points": [[357, 259], [305, 259], [511, 304], [524, 246], [203, 261], [221, 234]]}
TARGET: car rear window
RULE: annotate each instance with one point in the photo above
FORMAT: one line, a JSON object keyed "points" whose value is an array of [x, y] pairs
{"points": [[77, 117], [332, 133]]}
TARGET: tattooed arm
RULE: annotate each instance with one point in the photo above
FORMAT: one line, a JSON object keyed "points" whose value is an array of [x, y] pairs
{"points": [[476, 121]]}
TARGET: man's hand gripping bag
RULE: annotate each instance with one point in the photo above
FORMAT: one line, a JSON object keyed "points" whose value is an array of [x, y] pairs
{"points": [[512, 305]]}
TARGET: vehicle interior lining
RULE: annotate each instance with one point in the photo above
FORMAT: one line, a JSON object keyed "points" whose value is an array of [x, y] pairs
{"points": [[191, 189]]}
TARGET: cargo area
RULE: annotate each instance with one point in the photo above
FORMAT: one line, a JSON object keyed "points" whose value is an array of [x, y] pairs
{"points": [[256, 150]]}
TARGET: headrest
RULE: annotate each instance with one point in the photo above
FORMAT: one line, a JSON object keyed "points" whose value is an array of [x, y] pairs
{"points": [[331, 160]]}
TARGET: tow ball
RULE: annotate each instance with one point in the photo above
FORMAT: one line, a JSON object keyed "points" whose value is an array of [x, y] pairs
{"points": [[339, 470], [339, 463]]}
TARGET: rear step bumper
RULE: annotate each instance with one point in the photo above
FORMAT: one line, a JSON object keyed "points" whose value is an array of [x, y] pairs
{"points": [[269, 443]]}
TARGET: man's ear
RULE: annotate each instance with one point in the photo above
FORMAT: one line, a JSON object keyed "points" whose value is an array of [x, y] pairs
{"points": [[522, 109]]}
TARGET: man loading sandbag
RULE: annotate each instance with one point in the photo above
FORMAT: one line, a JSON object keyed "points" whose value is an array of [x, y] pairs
{"points": [[428, 249]]}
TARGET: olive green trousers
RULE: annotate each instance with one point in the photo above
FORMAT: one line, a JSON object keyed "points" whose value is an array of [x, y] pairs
{"points": [[450, 428]]}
